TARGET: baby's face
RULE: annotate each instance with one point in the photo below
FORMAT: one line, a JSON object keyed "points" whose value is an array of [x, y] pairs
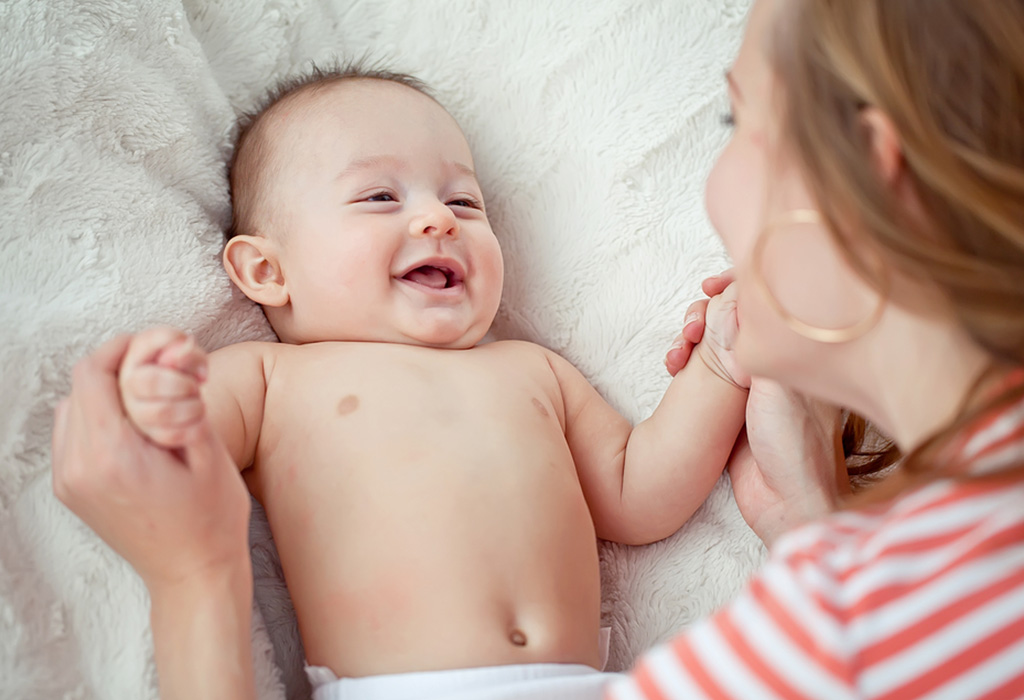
{"points": [[378, 220]]}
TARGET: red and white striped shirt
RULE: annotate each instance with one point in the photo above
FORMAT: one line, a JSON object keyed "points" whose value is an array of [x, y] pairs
{"points": [[921, 597]]}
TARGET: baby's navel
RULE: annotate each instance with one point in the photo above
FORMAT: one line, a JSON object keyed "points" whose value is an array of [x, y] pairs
{"points": [[516, 636], [348, 404], [540, 407]]}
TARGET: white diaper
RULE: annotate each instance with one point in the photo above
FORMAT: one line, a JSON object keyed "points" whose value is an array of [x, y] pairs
{"points": [[522, 682], [526, 681]]}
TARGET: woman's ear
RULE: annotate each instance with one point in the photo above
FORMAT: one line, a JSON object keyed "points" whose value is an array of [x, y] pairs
{"points": [[252, 264], [885, 144]]}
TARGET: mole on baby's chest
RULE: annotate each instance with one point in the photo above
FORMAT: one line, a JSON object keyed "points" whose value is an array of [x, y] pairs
{"points": [[348, 404]]}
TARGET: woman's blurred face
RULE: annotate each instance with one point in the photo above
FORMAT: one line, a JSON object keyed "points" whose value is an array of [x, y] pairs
{"points": [[752, 191]]}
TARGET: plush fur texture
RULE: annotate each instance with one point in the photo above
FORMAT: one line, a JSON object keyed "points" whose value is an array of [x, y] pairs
{"points": [[594, 124]]}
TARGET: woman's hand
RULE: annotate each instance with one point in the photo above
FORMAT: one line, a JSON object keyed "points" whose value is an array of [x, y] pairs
{"points": [[179, 517], [173, 515], [788, 468]]}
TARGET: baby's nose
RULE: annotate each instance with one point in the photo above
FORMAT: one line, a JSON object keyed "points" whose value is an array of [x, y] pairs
{"points": [[438, 222]]}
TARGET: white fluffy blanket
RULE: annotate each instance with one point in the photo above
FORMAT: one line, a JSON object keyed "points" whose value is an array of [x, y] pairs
{"points": [[594, 123]]}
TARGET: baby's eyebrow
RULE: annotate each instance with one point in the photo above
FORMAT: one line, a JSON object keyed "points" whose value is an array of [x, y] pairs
{"points": [[370, 163], [462, 168], [384, 162]]}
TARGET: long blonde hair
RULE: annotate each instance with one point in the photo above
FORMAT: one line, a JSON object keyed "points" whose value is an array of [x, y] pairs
{"points": [[950, 76]]}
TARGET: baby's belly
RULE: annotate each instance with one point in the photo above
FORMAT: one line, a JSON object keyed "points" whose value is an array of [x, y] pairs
{"points": [[434, 567]]}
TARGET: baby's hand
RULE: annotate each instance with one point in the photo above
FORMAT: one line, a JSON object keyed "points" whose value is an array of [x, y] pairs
{"points": [[693, 326], [159, 380], [718, 346]]}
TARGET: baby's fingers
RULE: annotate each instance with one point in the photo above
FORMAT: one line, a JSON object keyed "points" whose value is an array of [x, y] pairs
{"points": [[693, 322], [146, 347], [186, 356], [155, 383], [168, 423], [163, 403], [693, 330], [677, 357]]}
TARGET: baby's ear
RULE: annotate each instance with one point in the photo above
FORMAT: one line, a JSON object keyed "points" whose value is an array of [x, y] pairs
{"points": [[252, 264]]}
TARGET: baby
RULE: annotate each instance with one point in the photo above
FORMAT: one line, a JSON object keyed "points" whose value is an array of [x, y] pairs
{"points": [[436, 502]]}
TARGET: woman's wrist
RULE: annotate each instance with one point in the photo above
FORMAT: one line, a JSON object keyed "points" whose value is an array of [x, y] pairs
{"points": [[810, 501], [202, 633], [234, 575]]}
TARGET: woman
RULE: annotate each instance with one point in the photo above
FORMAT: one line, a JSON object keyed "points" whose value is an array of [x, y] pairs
{"points": [[885, 273], [882, 272]]}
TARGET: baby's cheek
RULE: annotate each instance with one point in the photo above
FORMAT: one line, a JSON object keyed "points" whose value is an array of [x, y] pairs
{"points": [[492, 272]]}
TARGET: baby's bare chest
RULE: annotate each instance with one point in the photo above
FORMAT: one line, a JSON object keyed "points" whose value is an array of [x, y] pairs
{"points": [[367, 406]]}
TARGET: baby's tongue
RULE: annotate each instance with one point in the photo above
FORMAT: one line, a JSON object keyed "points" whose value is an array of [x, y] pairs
{"points": [[428, 277]]}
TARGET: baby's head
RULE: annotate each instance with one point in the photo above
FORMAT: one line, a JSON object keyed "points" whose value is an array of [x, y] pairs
{"points": [[358, 216]]}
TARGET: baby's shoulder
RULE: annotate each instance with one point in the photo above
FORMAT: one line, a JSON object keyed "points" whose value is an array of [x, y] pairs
{"points": [[512, 346], [246, 350], [243, 347]]}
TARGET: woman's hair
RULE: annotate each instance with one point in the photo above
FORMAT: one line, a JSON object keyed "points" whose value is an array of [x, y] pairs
{"points": [[949, 74]]}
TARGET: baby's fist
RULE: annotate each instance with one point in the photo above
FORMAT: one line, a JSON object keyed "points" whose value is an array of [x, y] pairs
{"points": [[718, 346], [160, 380]]}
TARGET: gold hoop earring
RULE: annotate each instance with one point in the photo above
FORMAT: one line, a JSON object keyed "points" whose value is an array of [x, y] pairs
{"points": [[802, 217]]}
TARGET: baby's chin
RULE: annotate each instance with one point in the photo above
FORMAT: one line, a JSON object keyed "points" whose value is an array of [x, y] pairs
{"points": [[441, 331], [449, 341], [437, 339]]}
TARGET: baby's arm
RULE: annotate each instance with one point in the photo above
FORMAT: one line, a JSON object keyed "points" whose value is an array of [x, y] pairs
{"points": [[642, 485], [170, 386]]}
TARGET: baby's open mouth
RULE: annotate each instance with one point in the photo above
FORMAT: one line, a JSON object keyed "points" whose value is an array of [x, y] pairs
{"points": [[433, 277]]}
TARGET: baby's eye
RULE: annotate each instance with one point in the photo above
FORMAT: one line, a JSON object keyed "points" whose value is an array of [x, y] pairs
{"points": [[380, 197], [729, 120], [464, 202]]}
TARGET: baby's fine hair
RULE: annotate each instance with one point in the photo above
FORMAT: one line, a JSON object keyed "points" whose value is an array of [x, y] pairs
{"points": [[250, 159]]}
